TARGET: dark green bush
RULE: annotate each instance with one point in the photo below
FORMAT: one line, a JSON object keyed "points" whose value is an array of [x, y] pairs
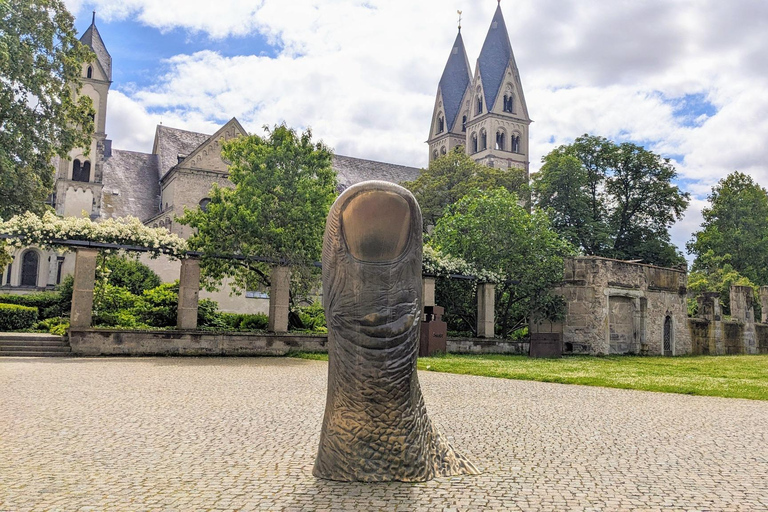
{"points": [[14, 317], [157, 307], [49, 304], [57, 325], [129, 273], [310, 318], [245, 321]]}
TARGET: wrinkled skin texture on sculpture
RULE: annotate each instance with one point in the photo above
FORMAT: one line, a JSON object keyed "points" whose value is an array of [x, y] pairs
{"points": [[376, 426]]}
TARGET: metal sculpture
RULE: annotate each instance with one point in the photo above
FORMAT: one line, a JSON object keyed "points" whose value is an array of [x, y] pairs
{"points": [[376, 426]]}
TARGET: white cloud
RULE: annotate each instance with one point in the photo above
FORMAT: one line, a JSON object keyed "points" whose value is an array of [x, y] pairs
{"points": [[363, 75]]}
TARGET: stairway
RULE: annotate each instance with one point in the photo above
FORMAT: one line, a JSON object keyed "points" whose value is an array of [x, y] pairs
{"points": [[30, 344]]}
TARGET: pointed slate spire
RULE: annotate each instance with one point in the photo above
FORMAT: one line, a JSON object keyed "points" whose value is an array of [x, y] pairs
{"points": [[494, 57], [455, 80], [92, 39]]}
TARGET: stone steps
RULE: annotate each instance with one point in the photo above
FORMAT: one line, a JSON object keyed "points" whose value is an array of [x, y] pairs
{"points": [[22, 344]]}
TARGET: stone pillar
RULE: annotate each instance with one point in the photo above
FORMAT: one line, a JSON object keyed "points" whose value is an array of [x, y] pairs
{"points": [[428, 290], [741, 303], [279, 299], [486, 304], [427, 293], [764, 303], [82, 290], [189, 291]]}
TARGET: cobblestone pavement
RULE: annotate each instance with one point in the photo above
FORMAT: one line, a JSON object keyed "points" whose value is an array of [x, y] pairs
{"points": [[241, 434]]}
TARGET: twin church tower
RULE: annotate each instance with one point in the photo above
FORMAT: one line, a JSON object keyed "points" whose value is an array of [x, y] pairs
{"points": [[484, 112]]}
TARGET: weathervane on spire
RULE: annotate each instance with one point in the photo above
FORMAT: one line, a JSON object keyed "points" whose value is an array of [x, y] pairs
{"points": [[459, 12], [93, 20]]}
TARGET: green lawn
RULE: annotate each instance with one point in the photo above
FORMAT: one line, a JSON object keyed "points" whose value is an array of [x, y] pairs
{"points": [[726, 376]]}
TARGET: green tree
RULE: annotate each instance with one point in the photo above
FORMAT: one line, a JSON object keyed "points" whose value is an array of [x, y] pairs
{"points": [[612, 200], [452, 176], [490, 230], [41, 116], [712, 273], [128, 273], [284, 186], [735, 229]]}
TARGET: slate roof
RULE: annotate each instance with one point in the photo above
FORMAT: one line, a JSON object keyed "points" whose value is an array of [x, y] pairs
{"points": [[92, 38], [494, 58], [455, 80], [354, 170], [131, 185], [172, 142]]}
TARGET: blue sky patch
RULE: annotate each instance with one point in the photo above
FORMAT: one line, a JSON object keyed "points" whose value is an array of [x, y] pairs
{"points": [[692, 110], [140, 49]]}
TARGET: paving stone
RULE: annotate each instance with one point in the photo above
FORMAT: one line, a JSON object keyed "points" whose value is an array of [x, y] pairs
{"points": [[241, 434]]}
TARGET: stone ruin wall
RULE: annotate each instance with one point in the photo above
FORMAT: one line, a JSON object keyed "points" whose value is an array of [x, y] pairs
{"points": [[712, 334], [618, 307]]}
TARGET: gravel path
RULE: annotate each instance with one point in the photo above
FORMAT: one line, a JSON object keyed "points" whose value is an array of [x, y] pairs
{"points": [[241, 433]]}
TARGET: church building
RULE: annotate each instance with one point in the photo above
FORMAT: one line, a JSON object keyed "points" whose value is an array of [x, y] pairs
{"points": [[484, 112], [105, 182]]}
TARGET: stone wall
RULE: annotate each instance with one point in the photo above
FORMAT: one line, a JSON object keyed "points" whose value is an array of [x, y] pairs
{"points": [[115, 342], [486, 346], [711, 334], [619, 307], [112, 342]]}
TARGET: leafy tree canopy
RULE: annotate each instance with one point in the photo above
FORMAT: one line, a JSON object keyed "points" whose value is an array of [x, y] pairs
{"points": [[735, 229], [284, 186], [452, 176], [128, 273], [612, 200], [41, 116], [712, 273], [489, 229]]}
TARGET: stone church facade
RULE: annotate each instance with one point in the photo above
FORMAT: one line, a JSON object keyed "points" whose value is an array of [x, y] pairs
{"points": [[102, 182]]}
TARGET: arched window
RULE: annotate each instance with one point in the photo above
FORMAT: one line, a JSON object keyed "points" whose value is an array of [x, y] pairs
{"points": [[509, 102], [483, 140], [30, 262], [440, 124], [81, 172], [434, 155], [75, 167], [479, 105], [515, 139], [464, 123], [474, 143], [443, 151], [500, 140], [89, 73], [204, 203], [669, 347]]}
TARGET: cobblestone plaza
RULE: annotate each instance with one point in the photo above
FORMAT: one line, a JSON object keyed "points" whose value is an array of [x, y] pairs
{"points": [[241, 434]]}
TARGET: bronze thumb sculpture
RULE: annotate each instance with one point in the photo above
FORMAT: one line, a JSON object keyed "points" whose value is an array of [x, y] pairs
{"points": [[376, 426]]}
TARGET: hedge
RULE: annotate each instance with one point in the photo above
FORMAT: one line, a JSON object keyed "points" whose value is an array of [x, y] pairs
{"points": [[14, 318], [49, 304]]}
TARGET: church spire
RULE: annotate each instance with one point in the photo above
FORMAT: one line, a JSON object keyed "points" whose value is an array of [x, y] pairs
{"points": [[448, 125], [93, 40], [455, 80], [494, 58]]}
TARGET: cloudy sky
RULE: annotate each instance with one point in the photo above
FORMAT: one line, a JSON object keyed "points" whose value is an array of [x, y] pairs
{"points": [[687, 79]]}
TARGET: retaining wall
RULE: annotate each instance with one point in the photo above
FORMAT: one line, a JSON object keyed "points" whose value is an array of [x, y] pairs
{"points": [[115, 342]]}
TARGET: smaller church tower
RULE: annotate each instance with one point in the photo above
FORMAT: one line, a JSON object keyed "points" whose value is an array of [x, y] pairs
{"points": [[79, 177], [449, 119], [497, 127]]}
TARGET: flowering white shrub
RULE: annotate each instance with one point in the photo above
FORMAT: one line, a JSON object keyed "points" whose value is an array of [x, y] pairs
{"points": [[48, 230], [438, 264]]}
